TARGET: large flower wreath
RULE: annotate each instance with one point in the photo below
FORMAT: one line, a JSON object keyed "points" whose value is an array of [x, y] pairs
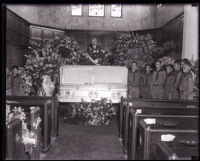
{"points": [[132, 46], [45, 58]]}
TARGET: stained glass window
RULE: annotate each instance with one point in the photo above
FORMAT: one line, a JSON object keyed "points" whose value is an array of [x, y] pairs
{"points": [[116, 10], [96, 10], [76, 10]]}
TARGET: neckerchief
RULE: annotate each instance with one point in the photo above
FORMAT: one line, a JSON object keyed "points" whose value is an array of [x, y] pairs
{"points": [[157, 74], [168, 75], [134, 75]]}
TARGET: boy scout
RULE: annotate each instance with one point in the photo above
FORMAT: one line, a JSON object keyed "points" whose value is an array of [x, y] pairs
{"points": [[186, 82], [169, 82], [158, 80], [133, 82], [146, 83], [177, 74], [15, 82]]}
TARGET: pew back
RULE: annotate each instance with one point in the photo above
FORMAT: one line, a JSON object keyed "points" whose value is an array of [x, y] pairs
{"points": [[14, 145], [45, 114], [38, 99], [183, 129], [159, 106], [167, 122]]}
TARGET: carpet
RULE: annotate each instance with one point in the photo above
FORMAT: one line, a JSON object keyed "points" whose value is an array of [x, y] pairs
{"points": [[84, 142]]}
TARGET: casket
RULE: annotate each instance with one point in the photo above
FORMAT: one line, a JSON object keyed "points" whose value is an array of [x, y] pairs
{"points": [[82, 82]]}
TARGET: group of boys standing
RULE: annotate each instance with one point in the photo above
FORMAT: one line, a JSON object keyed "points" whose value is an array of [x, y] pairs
{"points": [[175, 82]]}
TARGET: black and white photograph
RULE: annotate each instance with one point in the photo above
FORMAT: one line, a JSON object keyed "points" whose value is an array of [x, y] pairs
{"points": [[100, 81]]}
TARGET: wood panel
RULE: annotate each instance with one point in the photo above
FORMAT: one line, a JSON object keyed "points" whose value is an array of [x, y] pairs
{"points": [[17, 29], [45, 33], [17, 38]]}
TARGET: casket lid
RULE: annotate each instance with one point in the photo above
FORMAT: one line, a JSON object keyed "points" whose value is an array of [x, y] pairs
{"points": [[93, 75]]}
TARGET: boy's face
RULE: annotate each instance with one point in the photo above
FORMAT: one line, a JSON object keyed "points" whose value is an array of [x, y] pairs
{"points": [[169, 69], [182, 64], [158, 66], [186, 68], [15, 71], [177, 67]]}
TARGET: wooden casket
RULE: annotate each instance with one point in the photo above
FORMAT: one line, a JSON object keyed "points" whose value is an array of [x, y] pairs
{"points": [[83, 82]]}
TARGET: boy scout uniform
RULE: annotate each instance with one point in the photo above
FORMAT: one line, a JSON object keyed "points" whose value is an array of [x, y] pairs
{"points": [[169, 85], [158, 80], [175, 93], [133, 84], [16, 85], [186, 86], [146, 86]]}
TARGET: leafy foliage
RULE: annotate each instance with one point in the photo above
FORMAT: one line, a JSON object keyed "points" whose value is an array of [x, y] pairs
{"points": [[95, 112], [45, 58], [130, 46]]}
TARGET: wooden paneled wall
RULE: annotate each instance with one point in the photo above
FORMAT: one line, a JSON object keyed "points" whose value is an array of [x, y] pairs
{"points": [[45, 33], [17, 38]]}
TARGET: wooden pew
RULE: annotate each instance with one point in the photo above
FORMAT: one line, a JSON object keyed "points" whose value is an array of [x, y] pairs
{"points": [[54, 108], [14, 145], [184, 128], [133, 121], [184, 150], [158, 107], [46, 114]]}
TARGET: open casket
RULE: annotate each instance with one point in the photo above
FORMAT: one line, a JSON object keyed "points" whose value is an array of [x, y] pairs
{"points": [[83, 82]]}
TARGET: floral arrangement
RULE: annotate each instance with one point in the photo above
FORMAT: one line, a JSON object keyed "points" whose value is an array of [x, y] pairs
{"points": [[29, 138], [166, 60], [97, 112], [131, 46], [45, 58], [195, 70]]}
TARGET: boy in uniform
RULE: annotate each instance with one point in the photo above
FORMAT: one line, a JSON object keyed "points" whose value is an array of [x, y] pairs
{"points": [[186, 82], [133, 82], [158, 79], [177, 74], [169, 82]]}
